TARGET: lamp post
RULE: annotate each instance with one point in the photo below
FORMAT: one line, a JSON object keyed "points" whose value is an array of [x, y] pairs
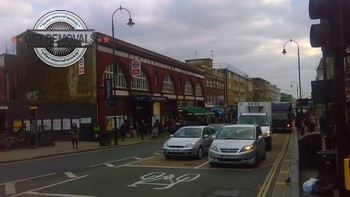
{"points": [[284, 52], [291, 85], [130, 23]]}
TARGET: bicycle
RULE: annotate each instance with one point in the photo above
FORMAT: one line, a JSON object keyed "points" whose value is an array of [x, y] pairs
{"points": [[9, 139]]}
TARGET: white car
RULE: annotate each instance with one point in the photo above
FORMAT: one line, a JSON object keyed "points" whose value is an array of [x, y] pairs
{"points": [[238, 144], [189, 141]]}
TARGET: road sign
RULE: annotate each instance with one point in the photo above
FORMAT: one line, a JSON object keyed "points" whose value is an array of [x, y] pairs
{"points": [[135, 68]]}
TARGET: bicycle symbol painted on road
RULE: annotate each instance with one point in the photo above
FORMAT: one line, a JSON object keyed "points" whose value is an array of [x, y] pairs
{"points": [[163, 181]]}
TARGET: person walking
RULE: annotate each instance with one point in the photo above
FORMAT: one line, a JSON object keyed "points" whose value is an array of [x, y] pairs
{"points": [[142, 129], [74, 133], [123, 130], [155, 130]]}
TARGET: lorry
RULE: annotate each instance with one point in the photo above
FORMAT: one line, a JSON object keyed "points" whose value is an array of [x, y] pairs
{"points": [[281, 117], [257, 113]]}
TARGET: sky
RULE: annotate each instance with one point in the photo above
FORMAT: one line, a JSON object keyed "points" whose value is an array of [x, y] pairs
{"points": [[247, 34]]}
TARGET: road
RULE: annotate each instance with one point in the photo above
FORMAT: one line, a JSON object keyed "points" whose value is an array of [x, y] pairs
{"points": [[139, 170]]}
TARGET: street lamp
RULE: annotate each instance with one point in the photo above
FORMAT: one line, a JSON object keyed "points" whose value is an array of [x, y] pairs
{"points": [[130, 23], [291, 85], [284, 52]]}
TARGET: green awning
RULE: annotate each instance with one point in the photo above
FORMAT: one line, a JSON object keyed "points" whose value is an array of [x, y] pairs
{"points": [[197, 110]]}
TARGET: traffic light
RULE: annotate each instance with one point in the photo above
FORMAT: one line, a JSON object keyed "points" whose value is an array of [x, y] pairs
{"points": [[328, 33]]}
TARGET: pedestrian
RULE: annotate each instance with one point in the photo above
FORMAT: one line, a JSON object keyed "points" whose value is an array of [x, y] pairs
{"points": [[155, 130], [142, 129], [123, 130], [74, 133]]}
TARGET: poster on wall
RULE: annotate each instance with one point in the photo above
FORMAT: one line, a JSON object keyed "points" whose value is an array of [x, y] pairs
{"points": [[85, 120], [76, 121], [57, 124], [66, 124], [47, 124]]}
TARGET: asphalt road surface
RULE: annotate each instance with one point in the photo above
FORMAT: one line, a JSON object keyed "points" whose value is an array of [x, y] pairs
{"points": [[139, 170]]}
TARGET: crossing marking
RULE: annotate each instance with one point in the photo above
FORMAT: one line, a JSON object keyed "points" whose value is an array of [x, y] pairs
{"points": [[70, 175]]}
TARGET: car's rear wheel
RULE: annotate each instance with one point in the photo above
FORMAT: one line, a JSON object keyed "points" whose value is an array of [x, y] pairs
{"points": [[199, 153]]}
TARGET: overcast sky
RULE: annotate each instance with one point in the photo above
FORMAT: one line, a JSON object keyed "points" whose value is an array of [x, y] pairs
{"points": [[248, 34]]}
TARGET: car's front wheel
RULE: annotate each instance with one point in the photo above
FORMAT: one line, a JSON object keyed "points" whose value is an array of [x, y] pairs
{"points": [[199, 153]]}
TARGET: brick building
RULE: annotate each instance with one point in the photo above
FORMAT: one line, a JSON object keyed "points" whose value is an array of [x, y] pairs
{"points": [[94, 92]]}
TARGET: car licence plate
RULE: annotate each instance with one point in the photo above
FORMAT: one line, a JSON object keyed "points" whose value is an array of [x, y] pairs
{"points": [[175, 150], [228, 156]]}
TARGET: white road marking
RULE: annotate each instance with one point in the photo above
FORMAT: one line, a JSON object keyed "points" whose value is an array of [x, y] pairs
{"points": [[47, 186], [35, 177], [201, 165], [102, 164], [110, 165], [70, 175], [165, 181], [10, 188], [57, 195]]}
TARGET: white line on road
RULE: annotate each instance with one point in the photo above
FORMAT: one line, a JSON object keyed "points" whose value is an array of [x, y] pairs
{"points": [[10, 188], [47, 186], [102, 164], [34, 177], [110, 165], [70, 175], [57, 195], [201, 165]]}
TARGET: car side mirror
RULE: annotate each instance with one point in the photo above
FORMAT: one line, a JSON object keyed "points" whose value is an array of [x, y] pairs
{"points": [[171, 135], [206, 136], [260, 136]]}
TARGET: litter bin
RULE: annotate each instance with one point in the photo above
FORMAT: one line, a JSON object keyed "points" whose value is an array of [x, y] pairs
{"points": [[106, 139], [327, 165]]}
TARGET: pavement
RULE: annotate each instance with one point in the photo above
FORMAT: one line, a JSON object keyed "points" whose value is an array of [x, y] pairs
{"points": [[289, 167], [62, 147]]}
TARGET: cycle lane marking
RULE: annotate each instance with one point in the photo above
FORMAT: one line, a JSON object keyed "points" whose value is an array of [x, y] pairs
{"points": [[164, 181]]}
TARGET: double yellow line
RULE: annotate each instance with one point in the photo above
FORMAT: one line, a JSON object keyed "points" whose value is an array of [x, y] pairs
{"points": [[265, 187]]}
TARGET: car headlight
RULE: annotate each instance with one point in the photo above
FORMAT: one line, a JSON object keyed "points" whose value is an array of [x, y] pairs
{"points": [[190, 145], [247, 148], [268, 133], [213, 147], [165, 145]]}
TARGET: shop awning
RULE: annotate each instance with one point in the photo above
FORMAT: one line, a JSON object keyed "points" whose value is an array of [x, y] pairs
{"points": [[197, 110]]}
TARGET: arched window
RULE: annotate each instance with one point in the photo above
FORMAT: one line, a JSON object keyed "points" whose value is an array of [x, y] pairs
{"points": [[199, 91], [140, 82], [120, 79], [168, 85], [188, 88]]}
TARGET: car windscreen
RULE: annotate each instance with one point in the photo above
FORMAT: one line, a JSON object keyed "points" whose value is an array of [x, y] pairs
{"points": [[240, 133], [261, 120], [188, 133], [216, 127]]}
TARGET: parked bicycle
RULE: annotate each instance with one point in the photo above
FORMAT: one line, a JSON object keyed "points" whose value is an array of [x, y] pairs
{"points": [[10, 139]]}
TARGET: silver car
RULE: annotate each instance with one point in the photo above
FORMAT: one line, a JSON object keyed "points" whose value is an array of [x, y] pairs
{"points": [[238, 144], [189, 141]]}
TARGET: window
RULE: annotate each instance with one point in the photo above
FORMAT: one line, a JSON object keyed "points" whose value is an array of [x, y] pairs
{"points": [[140, 82], [199, 90], [188, 88], [168, 85], [120, 80]]}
